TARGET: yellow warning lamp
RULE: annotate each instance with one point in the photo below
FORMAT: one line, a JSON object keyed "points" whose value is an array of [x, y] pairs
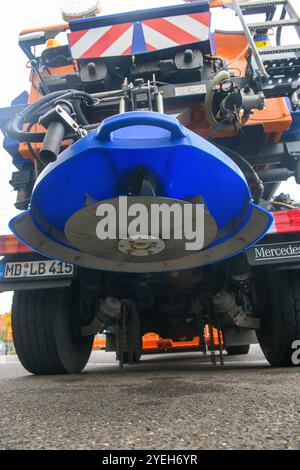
{"points": [[52, 43]]}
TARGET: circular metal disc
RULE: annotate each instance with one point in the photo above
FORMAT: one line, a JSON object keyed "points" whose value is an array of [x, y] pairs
{"points": [[143, 245], [258, 223], [81, 233]]}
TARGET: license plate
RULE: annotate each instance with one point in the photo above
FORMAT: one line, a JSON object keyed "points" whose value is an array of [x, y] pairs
{"points": [[272, 253], [36, 269]]}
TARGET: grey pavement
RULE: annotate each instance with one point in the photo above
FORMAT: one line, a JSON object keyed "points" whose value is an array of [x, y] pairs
{"points": [[170, 401]]}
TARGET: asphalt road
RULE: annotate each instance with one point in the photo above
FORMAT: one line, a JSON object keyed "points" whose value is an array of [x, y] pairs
{"points": [[177, 401]]}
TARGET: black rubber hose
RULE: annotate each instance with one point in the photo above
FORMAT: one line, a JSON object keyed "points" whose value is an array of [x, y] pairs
{"points": [[248, 171], [79, 113], [297, 171], [276, 175], [13, 129], [52, 142]]}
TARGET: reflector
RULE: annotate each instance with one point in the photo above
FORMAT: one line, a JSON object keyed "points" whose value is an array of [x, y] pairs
{"points": [[76, 9], [114, 161]]}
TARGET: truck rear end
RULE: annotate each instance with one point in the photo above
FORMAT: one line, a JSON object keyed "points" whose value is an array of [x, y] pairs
{"points": [[154, 108]]}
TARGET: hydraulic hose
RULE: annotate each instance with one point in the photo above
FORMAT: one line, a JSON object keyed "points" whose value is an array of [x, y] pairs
{"points": [[52, 142], [297, 171], [13, 129], [208, 105], [78, 111], [248, 171]]}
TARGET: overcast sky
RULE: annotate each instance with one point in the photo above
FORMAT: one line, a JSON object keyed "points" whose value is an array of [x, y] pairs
{"points": [[18, 15]]}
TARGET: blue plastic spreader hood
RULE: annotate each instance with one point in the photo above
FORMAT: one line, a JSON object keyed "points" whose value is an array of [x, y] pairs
{"points": [[102, 166]]}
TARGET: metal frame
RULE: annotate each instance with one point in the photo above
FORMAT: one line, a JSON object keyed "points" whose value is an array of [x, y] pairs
{"points": [[252, 44]]}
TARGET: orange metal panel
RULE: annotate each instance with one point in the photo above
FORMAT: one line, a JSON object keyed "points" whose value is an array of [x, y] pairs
{"points": [[168, 344], [99, 342], [150, 341], [276, 117], [230, 45], [218, 3], [54, 28]]}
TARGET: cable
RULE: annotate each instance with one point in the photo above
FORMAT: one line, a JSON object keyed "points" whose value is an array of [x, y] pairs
{"points": [[79, 114], [241, 161], [233, 60], [235, 68], [216, 129], [283, 204], [43, 85], [31, 149], [13, 129]]}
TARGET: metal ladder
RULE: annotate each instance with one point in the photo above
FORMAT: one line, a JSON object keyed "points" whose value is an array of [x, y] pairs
{"points": [[279, 64]]}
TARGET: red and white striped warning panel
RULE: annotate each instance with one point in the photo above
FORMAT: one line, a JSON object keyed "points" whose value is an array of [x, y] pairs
{"points": [[140, 37], [173, 31], [101, 42]]}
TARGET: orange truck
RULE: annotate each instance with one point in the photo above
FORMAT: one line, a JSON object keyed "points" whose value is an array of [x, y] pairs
{"points": [[155, 106]]}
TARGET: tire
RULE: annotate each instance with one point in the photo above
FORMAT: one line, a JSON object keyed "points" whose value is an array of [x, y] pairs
{"points": [[130, 345], [111, 346], [238, 350], [46, 332], [136, 358], [134, 337], [280, 317]]}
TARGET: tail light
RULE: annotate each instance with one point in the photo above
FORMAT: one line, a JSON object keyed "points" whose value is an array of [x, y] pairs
{"points": [[9, 245]]}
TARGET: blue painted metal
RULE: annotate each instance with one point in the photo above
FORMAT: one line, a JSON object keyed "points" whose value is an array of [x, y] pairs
{"points": [[138, 41], [11, 146], [139, 15], [293, 134], [101, 164], [141, 32]]}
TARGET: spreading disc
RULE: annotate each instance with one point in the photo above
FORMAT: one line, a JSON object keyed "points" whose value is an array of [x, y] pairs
{"points": [[25, 229], [170, 242]]}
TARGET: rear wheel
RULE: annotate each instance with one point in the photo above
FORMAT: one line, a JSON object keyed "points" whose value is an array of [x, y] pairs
{"points": [[129, 338], [46, 330], [238, 350], [136, 358], [280, 317]]}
